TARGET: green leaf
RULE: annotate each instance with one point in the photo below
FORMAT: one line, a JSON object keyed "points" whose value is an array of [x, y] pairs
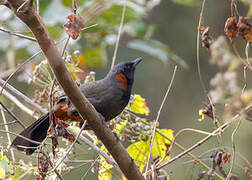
{"points": [[95, 56], [187, 2], [112, 16], [69, 3], [158, 50]]}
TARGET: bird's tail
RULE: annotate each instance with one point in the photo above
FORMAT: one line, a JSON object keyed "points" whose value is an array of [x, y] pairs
{"points": [[36, 132]]}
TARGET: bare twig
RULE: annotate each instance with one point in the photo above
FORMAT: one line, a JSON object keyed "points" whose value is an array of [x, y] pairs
{"points": [[240, 58], [198, 46], [8, 123], [18, 35], [70, 148], [18, 103], [198, 62], [21, 66], [94, 147], [93, 163], [8, 135], [37, 6], [181, 131], [51, 164], [158, 114], [219, 130], [27, 139], [119, 34], [23, 97], [199, 161], [6, 73], [12, 115], [233, 150]]}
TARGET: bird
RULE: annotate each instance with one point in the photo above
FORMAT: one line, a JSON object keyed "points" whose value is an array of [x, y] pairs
{"points": [[109, 96]]}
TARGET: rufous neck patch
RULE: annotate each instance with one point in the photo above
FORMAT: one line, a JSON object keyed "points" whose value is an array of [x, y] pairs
{"points": [[120, 77]]}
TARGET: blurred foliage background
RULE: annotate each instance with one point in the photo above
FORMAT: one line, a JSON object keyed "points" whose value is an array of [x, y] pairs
{"points": [[164, 34]]}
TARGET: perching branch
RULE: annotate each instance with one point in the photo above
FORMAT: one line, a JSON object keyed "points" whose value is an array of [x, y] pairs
{"points": [[27, 13]]}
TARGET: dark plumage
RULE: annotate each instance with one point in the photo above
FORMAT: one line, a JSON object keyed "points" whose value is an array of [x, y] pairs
{"points": [[109, 96]]}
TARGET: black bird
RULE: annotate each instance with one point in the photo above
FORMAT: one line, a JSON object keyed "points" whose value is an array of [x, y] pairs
{"points": [[109, 96]]}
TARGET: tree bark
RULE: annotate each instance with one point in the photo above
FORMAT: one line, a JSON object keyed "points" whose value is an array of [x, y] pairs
{"points": [[26, 12]]}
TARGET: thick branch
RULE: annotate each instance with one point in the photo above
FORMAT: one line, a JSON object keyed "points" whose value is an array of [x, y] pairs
{"points": [[26, 12]]}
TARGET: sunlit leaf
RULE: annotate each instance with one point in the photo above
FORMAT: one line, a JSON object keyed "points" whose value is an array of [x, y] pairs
{"points": [[139, 151], [104, 169], [2, 173], [158, 50], [119, 126], [139, 105]]}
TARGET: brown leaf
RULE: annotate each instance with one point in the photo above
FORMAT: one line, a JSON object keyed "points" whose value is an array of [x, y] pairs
{"points": [[74, 25], [231, 28], [244, 28]]}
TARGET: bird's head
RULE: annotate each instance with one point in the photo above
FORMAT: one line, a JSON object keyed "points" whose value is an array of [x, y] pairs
{"points": [[124, 73]]}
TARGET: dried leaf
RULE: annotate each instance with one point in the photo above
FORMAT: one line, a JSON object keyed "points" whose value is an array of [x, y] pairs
{"points": [[74, 25]]}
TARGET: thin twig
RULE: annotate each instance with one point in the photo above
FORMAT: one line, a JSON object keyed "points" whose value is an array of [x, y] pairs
{"points": [[18, 35], [233, 150], [12, 115], [23, 97], [178, 133], [70, 148], [119, 34], [51, 164], [240, 58], [93, 163], [8, 123], [199, 161], [220, 129], [245, 78], [37, 7], [158, 114], [25, 138], [198, 46], [18, 103], [8, 135], [21, 66], [198, 63], [94, 147], [6, 73]]}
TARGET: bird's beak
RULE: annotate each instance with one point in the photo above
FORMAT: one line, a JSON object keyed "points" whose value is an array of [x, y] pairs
{"points": [[136, 61]]}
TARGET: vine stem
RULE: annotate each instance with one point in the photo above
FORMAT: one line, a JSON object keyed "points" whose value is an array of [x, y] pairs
{"points": [[158, 114]]}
